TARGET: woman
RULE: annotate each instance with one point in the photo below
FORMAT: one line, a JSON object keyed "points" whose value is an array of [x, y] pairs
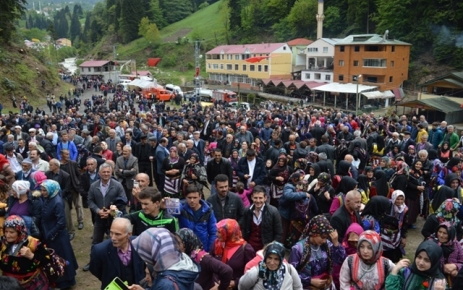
{"points": [[278, 177], [394, 227], [366, 269], [210, 267], [232, 249], [172, 166], [444, 153], [4, 188], [234, 158], [347, 184], [447, 212], [323, 193], [314, 256], [365, 183], [244, 148], [55, 235], [453, 180], [415, 188], [272, 272], [424, 273], [313, 172], [399, 179], [118, 153], [374, 211], [443, 193], [380, 185], [194, 173], [25, 206], [106, 153], [394, 152], [411, 156], [452, 258], [22, 256], [161, 251], [447, 169], [385, 164], [343, 170]]}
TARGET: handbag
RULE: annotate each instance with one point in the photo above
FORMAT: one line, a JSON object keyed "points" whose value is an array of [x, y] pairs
{"points": [[55, 266]]}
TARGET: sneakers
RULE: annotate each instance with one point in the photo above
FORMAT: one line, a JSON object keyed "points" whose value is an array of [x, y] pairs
{"points": [[86, 267], [80, 226]]}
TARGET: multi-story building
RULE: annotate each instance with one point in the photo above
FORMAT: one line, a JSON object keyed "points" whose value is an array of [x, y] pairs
{"points": [[319, 57], [298, 47], [100, 68], [248, 64], [380, 61]]}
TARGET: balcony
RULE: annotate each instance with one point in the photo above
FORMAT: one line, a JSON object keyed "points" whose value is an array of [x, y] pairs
{"points": [[320, 69]]}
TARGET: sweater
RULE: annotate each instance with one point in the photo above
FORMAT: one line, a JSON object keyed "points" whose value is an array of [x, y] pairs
{"points": [[251, 279]]}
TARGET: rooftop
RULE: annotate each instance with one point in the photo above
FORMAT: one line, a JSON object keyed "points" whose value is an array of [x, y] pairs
{"points": [[369, 39], [94, 63], [299, 42], [247, 48]]}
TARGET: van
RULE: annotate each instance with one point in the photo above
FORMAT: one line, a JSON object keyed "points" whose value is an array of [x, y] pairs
{"points": [[240, 106], [174, 89]]}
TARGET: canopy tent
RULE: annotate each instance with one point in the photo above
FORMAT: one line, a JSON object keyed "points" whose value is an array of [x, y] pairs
{"points": [[143, 84], [441, 104], [378, 95], [345, 88], [297, 83]]}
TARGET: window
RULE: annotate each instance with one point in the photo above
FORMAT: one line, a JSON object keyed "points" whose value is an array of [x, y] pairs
{"points": [[341, 48], [244, 67], [237, 56], [374, 62], [375, 48], [356, 63], [391, 79], [209, 65], [307, 75], [341, 63], [237, 67], [317, 76], [312, 49], [259, 67], [356, 48], [325, 49], [341, 77], [221, 66], [392, 63], [371, 79], [327, 77], [215, 66], [265, 68], [393, 48], [252, 67]]}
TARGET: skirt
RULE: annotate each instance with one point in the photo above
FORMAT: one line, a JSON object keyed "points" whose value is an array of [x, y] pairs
{"points": [[172, 186], [276, 191], [38, 281], [235, 181]]}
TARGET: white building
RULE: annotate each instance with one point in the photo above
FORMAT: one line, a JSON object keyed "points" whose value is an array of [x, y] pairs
{"points": [[319, 61], [105, 68]]}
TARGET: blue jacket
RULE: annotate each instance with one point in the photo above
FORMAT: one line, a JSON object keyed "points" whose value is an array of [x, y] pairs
{"points": [[259, 171], [204, 227], [72, 151], [287, 201], [161, 154], [435, 137], [182, 275], [105, 264]]}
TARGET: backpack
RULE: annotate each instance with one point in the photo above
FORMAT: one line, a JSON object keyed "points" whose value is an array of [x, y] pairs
{"points": [[383, 275]]}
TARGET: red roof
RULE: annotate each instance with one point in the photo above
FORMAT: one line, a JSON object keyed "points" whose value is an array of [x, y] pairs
{"points": [[142, 73], [242, 48], [299, 42], [94, 63]]}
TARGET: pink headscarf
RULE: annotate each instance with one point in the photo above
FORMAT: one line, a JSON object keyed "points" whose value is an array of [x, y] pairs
{"points": [[38, 177]]}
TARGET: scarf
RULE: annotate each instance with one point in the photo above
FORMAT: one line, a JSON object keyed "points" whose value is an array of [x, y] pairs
{"points": [[20, 187], [17, 223], [447, 211], [434, 253], [190, 241], [394, 196], [374, 239], [272, 279], [174, 159], [228, 237], [447, 247], [52, 187]]}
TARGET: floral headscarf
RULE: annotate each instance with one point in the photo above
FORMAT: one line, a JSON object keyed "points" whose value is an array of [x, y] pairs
{"points": [[190, 240], [374, 239], [402, 168], [52, 187], [21, 187], [158, 247], [447, 247], [228, 236], [394, 196], [272, 279], [447, 211], [17, 223]]}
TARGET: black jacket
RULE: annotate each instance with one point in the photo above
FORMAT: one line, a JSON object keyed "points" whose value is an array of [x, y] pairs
{"points": [[340, 221], [63, 179], [271, 227], [233, 208], [224, 168]]}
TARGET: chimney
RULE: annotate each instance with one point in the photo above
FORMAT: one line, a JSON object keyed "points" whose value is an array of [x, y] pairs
{"points": [[320, 17]]}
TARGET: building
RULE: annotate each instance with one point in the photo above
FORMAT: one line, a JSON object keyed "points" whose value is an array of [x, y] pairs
{"points": [[298, 47], [248, 64], [447, 85], [100, 68], [378, 60], [319, 57]]}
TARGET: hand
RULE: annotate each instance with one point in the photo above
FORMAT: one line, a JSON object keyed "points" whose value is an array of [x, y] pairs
{"points": [[193, 176], [449, 268], [135, 191], [327, 195], [26, 252], [439, 284], [148, 278], [103, 213], [112, 207], [334, 238], [319, 283], [317, 187], [420, 188], [216, 286], [404, 242], [252, 184], [401, 264], [185, 181], [136, 287]]}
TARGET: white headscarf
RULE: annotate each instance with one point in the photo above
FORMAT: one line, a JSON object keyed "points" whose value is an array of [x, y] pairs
{"points": [[394, 196], [21, 187]]}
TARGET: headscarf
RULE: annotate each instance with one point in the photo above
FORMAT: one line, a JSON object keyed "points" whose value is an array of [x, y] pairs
{"points": [[343, 168], [228, 236], [376, 207], [448, 247], [434, 253], [3, 161], [394, 196], [272, 279], [353, 228], [158, 247], [19, 225], [363, 182], [443, 193], [346, 184], [374, 239], [381, 183], [316, 170], [447, 211], [21, 187], [196, 157], [175, 159], [432, 154], [402, 168], [52, 187], [38, 177], [190, 240]]}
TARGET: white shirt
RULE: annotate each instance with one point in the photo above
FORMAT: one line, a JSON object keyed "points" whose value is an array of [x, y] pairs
{"points": [[257, 219], [15, 166], [251, 166]]}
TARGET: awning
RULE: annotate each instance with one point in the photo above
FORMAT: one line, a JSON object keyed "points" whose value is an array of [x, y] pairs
{"points": [[297, 83], [378, 95], [345, 88], [441, 104]]}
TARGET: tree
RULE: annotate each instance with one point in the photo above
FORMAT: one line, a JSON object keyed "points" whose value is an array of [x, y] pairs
{"points": [[74, 30], [235, 14], [10, 11], [84, 34], [130, 9], [156, 14], [177, 10]]}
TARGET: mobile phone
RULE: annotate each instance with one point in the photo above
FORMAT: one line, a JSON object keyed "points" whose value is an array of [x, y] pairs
{"points": [[136, 184], [117, 284]]}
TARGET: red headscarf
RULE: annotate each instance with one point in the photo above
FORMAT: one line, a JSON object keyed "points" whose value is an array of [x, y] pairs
{"points": [[3, 161], [228, 238]]}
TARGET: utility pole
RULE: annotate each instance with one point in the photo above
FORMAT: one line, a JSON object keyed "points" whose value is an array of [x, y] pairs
{"points": [[197, 68]]}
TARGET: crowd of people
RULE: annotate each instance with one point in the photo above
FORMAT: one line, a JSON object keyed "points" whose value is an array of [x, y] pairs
{"points": [[271, 198]]}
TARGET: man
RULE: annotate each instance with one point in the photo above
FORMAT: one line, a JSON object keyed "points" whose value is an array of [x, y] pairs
{"points": [[435, 135], [143, 181], [226, 204], [358, 142], [62, 177], [116, 257], [101, 196], [68, 145], [199, 144], [198, 216], [32, 137], [317, 132], [274, 151], [37, 163], [216, 166], [22, 148], [128, 140], [161, 154], [394, 141], [424, 144], [18, 134], [261, 223], [227, 146], [251, 170], [451, 137], [184, 152], [347, 214], [266, 133], [74, 137], [87, 178], [326, 148], [407, 141], [25, 173], [244, 135], [353, 169], [151, 214], [42, 155], [98, 155], [126, 169], [87, 138], [142, 151], [47, 144], [15, 159], [112, 140], [75, 187]]}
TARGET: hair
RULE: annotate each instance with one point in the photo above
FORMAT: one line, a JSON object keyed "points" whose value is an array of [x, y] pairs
{"points": [[218, 150], [129, 132], [357, 133], [221, 178], [38, 152], [90, 159], [55, 161], [127, 147], [105, 165], [150, 193], [258, 189], [192, 189], [324, 139], [127, 224], [97, 149]]}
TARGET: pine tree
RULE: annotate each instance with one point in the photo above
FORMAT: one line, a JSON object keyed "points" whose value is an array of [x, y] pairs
{"points": [[10, 11], [74, 30], [129, 21]]}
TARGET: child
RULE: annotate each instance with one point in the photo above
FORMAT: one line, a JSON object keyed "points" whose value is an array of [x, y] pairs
{"points": [[243, 193]]}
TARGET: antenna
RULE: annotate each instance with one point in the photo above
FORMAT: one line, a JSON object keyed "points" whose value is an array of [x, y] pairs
{"points": [[386, 35]]}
